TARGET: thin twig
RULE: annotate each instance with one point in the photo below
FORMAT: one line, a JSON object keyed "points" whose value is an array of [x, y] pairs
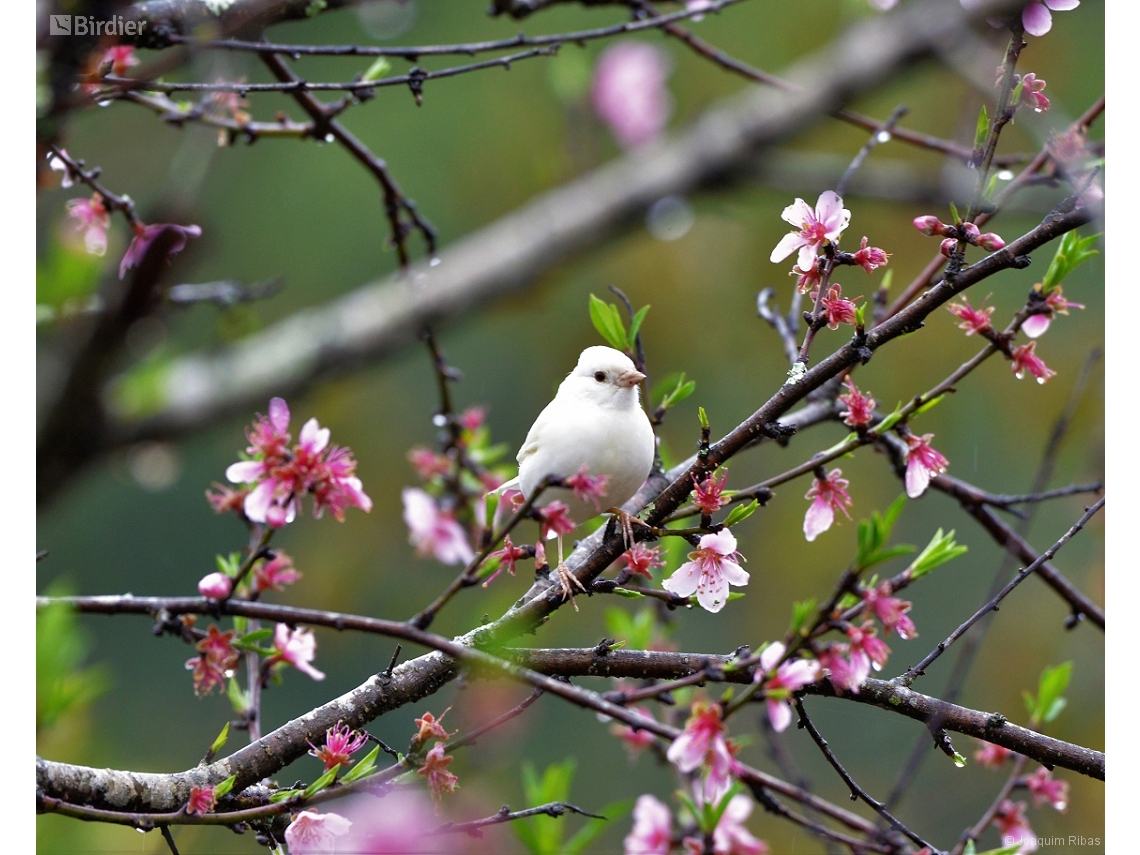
{"points": [[505, 814], [856, 790]]}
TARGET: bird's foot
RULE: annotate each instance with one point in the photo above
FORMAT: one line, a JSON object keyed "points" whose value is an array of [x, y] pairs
{"points": [[567, 581], [626, 521]]}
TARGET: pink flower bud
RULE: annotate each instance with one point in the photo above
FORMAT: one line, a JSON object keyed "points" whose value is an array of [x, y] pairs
{"points": [[216, 586], [970, 232], [990, 242], [276, 516], [947, 247], [930, 225]]}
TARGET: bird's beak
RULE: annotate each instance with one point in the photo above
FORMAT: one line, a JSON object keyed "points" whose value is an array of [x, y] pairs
{"points": [[629, 379]]}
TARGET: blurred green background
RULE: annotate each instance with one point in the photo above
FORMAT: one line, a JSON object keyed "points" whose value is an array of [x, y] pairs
{"points": [[481, 145]]}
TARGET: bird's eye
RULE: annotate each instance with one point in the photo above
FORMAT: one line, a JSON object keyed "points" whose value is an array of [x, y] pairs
{"points": [[600, 376]]}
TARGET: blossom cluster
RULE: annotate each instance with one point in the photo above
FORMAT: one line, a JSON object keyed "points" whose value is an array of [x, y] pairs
{"points": [[275, 476]]}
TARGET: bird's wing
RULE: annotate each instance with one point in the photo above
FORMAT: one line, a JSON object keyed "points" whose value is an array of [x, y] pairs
{"points": [[542, 428]]}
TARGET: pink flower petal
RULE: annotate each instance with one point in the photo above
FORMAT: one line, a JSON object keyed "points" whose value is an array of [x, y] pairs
{"points": [[1036, 19], [244, 471], [314, 437], [1036, 325], [684, 580], [818, 518], [780, 714], [712, 594], [788, 244], [917, 478], [258, 502], [279, 414], [799, 214]]}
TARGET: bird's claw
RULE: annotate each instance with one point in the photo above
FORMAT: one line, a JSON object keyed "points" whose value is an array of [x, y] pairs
{"points": [[626, 521], [567, 581]]}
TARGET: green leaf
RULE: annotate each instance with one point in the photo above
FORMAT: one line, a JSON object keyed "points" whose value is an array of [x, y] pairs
{"points": [[223, 789], [860, 313], [544, 833], [982, 130], [1012, 849], [679, 392], [1015, 96], [283, 796], [941, 549], [607, 321], [322, 782], [933, 402], [221, 740], [364, 767], [588, 833], [1030, 702], [628, 594], [888, 277], [991, 186], [714, 813], [635, 327], [1050, 688], [801, 611], [703, 417], [377, 70], [240, 700], [740, 513], [890, 421], [1054, 709], [315, 8], [954, 214], [732, 595], [228, 564], [835, 449], [1072, 252], [874, 533]]}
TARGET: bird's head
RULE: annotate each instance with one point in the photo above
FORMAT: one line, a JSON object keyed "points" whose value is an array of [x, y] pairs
{"points": [[604, 376]]}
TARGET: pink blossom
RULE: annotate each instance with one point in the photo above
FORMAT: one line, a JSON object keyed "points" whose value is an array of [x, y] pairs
{"points": [[641, 558], [890, 610], [556, 519], [731, 837], [341, 742], [1014, 827], [818, 227], [828, 495], [1024, 359], [432, 531], [216, 586], [314, 832], [707, 494], [297, 647], [472, 418], [216, 661], [930, 225], [92, 219], [274, 574], [973, 320], [838, 310], [435, 770], [710, 570], [588, 488], [120, 58], [870, 257], [703, 743], [281, 476], [867, 647], [1037, 20], [431, 727], [202, 801], [1032, 93], [1055, 302], [652, 832], [808, 279], [846, 672], [991, 755], [922, 462], [789, 677], [629, 91], [428, 464], [636, 740], [860, 408], [507, 556], [144, 235], [948, 246], [1048, 791], [395, 825]]}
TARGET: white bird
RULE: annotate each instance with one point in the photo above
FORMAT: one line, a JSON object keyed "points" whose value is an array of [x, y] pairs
{"points": [[595, 421]]}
